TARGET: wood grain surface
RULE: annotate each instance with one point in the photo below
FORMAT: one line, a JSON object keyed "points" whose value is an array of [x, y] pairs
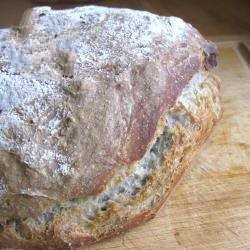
{"points": [[210, 208]]}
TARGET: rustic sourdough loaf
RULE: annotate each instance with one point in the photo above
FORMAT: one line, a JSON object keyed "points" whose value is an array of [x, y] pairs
{"points": [[101, 111]]}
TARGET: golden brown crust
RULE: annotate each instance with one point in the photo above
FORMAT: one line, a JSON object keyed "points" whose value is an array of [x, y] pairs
{"points": [[207, 121], [133, 221]]}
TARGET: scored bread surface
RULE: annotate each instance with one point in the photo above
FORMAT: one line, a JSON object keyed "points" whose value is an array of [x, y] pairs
{"points": [[101, 111]]}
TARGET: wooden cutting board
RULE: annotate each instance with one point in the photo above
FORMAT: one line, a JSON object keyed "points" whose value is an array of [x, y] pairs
{"points": [[210, 208]]}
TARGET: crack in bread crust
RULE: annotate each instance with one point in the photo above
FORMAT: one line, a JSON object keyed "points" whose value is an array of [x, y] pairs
{"points": [[135, 192]]}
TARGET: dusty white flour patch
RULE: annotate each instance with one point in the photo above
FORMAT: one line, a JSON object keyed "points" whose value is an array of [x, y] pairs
{"points": [[71, 81]]}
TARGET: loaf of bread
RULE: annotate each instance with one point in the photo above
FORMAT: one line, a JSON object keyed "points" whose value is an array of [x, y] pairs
{"points": [[101, 111]]}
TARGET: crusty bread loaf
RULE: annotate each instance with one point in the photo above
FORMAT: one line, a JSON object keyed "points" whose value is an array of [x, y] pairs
{"points": [[101, 112]]}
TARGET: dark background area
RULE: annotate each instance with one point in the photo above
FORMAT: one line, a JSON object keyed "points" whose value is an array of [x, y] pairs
{"points": [[211, 17]]}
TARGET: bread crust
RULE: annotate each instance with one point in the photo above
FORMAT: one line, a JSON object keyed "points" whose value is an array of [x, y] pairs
{"points": [[176, 103], [97, 100], [189, 122]]}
